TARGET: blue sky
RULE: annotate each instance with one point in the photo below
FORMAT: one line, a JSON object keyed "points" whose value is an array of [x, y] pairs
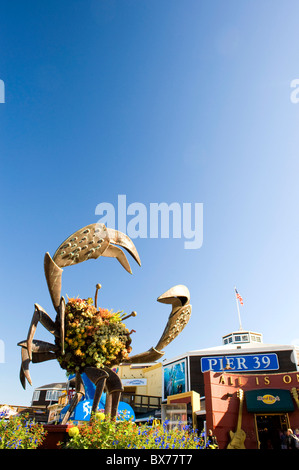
{"points": [[161, 101]]}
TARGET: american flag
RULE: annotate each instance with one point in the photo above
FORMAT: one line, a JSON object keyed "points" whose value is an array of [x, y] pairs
{"points": [[239, 297]]}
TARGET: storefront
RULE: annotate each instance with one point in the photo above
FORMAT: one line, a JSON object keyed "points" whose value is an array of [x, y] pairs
{"points": [[247, 389], [251, 411]]}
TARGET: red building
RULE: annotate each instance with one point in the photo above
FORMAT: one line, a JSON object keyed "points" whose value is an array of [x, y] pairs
{"points": [[249, 410], [244, 390]]}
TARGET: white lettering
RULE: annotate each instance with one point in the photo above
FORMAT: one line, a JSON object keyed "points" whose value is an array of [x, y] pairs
{"points": [[197, 233], [2, 92], [109, 218], [241, 363], [230, 362], [164, 211], [140, 220], [122, 213], [160, 218], [212, 362], [294, 95]]}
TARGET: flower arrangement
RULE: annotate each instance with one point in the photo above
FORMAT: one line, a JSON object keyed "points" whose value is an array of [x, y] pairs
{"points": [[18, 432], [93, 337], [107, 434]]}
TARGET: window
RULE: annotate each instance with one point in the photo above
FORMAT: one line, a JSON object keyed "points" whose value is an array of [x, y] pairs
{"points": [[36, 395], [237, 338], [52, 395]]}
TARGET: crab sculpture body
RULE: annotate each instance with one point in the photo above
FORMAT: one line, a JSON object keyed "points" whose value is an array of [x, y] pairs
{"points": [[73, 339]]}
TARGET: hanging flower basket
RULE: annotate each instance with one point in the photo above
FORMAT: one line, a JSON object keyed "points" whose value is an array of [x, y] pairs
{"points": [[93, 337]]}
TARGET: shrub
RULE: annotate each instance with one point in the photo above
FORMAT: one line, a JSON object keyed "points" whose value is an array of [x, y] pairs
{"points": [[18, 432]]}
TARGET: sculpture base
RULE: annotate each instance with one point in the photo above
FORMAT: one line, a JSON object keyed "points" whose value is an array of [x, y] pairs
{"points": [[56, 433]]}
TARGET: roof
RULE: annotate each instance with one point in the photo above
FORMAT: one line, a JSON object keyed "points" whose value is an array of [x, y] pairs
{"points": [[53, 386]]}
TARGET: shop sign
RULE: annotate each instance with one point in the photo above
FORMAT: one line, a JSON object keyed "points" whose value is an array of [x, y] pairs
{"points": [[245, 363], [133, 382], [269, 400]]}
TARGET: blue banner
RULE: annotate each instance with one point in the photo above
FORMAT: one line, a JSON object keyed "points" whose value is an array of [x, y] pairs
{"points": [[247, 362]]}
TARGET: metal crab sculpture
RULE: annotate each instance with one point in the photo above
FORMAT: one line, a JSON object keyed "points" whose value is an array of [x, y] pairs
{"points": [[93, 241]]}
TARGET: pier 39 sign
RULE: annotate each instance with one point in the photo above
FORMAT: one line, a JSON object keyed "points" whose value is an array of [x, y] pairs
{"points": [[247, 362]]}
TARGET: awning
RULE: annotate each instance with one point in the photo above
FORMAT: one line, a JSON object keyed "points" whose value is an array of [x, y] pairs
{"points": [[269, 400]]}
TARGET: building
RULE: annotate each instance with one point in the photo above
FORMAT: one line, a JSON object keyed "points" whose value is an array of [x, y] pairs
{"points": [[45, 396], [142, 388], [251, 410], [220, 384]]}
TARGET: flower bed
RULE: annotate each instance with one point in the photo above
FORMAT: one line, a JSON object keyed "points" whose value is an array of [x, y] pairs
{"points": [[99, 433], [106, 434], [18, 432]]}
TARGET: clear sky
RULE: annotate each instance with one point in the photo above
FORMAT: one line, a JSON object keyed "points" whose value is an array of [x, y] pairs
{"points": [[160, 101]]}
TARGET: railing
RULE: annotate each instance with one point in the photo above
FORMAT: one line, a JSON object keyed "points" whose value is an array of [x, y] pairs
{"points": [[142, 403]]}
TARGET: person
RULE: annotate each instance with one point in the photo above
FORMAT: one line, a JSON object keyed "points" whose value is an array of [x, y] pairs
{"points": [[283, 440], [290, 439], [211, 440]]}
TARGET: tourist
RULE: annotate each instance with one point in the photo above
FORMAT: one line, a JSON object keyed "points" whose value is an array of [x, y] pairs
{"points": [[290, 439], [211, 441]]}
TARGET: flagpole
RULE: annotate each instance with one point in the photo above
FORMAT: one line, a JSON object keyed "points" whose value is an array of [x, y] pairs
{"points": [[238, 309]]}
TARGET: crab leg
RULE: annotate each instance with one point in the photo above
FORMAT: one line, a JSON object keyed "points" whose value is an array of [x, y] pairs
{"points": [[53, 275], [114, 389], [178, 297], [41, 351], [148, 356], [24, 371], [98, 377], [62, 324], [80, 392], [39, 315]]}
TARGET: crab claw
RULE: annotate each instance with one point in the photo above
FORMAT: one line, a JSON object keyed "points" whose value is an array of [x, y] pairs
{"points": [[93, 241], [177, 296], [119, 238]]}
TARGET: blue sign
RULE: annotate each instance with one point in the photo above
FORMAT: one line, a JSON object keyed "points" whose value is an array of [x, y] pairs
{"points": [[82, 411], [245, 363]]}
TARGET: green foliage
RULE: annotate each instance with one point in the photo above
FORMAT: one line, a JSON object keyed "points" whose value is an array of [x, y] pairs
{"points": [[18, 432], [107, 434]]}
